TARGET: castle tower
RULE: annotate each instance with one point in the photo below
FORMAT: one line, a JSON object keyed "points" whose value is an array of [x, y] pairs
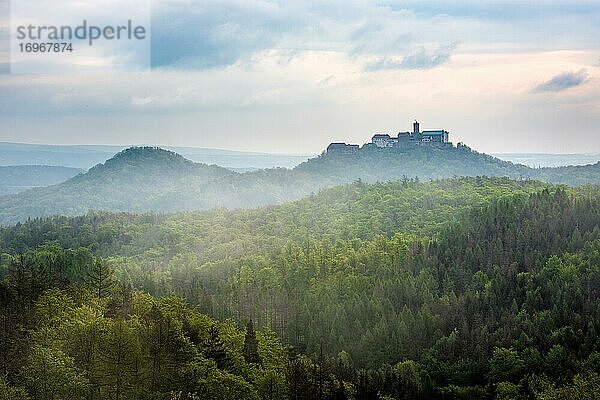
{"points": [[416, 129]]}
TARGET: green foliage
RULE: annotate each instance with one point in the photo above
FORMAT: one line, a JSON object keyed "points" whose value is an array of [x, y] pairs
{"points": [[572, 174], [8, 392], [205, 381], [507, 391], [505, 365], [51, 374], [464, 392], [100, 278], [466, 288], [583, 387], [251, 345], [214, 349], [352, 211], [79, 351]]}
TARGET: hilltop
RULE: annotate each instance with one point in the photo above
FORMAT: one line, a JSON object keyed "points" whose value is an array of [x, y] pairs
{"points": [[153, 179], [129, 181], [425, 162]]}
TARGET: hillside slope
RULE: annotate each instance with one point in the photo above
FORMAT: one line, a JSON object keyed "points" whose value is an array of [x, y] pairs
{"points": [[399, 276], [152, 179], [353, 211], [130, 181], [573, 174]]}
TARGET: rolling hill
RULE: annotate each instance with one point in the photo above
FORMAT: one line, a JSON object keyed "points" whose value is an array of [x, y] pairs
{"points": [[152, 179], [131, 181]]}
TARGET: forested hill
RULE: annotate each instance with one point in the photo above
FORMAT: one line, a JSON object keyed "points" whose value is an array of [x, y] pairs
{"points": [[396, 290], [572, 174], [352, 211], [152, 179], [130, 181], [425, 162]]}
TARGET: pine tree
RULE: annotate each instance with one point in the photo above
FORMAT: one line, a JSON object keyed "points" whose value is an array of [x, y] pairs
{"points": [[251, 345], [101, 278], [215, 349], [119, 369]]}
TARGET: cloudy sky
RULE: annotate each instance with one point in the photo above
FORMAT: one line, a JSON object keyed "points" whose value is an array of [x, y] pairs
{"points": [[292, 76]]}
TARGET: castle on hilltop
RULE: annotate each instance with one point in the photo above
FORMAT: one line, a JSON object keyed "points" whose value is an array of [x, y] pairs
{"points": [[438, 137]]}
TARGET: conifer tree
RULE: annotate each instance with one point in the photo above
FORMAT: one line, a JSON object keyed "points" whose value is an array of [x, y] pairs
{"points": [[251, 345], [215, 349], [101, 278]]}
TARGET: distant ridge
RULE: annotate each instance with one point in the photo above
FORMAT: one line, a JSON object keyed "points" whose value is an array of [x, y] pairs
{"points": [[153, 179], [549, 160], [86, 156], [17, 178]]}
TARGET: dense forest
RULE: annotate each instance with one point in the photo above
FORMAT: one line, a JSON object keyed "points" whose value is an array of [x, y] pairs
{"points": [[465, 288], [152, 179]]}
